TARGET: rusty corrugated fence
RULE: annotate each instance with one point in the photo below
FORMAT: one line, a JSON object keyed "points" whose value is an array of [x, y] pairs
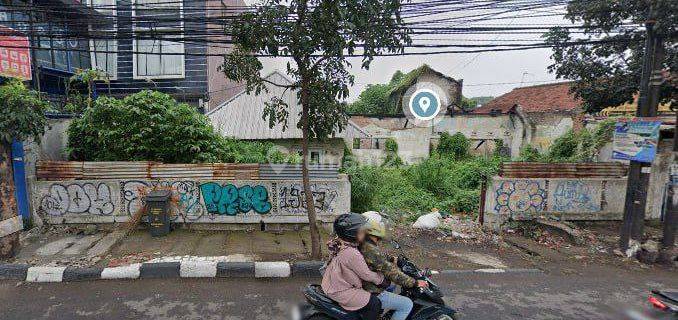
{"points": [[563, 170], [102, 170]]}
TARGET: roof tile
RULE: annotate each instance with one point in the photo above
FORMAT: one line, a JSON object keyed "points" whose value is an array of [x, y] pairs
{"points": [[554, 97]]}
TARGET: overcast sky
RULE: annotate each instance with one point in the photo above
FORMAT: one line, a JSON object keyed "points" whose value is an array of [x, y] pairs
{"points": [[480, 71]]}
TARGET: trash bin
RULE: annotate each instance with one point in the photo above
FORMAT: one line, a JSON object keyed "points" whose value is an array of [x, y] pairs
{"points": [[157, 204]]}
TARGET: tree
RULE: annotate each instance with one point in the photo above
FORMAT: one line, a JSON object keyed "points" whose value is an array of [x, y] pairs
{"points": [[152, 126], [608, 72], [22, 116], [374, 100], [317, 35]]}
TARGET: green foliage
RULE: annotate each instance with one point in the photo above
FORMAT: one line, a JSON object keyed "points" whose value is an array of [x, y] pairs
{"points": [[472, 103], [438, 181], [80, 89], [456, 145], [498, 147], [582, 146], [564, 148], [22, 115], [392, 158], [607, 70], [461, 200], [603, 133], [375, 100], [372, 101], [152, 126], [529, 153]]}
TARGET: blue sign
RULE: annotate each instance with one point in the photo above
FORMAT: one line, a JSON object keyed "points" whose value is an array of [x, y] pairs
{"points": [[425, 104], [636, 140]]}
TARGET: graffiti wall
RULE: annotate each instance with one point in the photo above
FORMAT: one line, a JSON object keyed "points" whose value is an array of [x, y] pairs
{"points": [[573, 199], [520, 196], [275, 201], [576, 196]]}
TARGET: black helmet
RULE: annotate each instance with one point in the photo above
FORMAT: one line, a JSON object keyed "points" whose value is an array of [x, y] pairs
{"points": [[346, 226]]}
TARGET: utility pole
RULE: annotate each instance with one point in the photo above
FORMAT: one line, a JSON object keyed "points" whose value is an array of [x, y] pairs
{"points": [[671, 217], [639, 172]]}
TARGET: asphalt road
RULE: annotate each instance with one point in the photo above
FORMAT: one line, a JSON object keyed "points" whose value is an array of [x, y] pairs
{"points": [[593, 295]]}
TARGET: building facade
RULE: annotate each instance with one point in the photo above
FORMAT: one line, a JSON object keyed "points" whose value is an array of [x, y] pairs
{"points": [[175, 47], [184, 65]]}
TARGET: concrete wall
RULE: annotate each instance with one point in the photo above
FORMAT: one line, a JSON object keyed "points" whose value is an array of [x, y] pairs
{"points": [[332, 149], [547, 127], [566, 199], [245, 201]]}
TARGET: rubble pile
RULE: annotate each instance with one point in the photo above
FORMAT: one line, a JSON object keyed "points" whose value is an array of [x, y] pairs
{"points": [[465, 229]]}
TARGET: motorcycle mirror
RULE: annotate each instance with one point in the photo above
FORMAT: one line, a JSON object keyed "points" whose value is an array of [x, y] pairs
{"points": [[395, 244]]}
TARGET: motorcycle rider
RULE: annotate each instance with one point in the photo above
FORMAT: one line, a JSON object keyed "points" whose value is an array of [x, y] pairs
{"points": [[379, 262], [346, 270]]}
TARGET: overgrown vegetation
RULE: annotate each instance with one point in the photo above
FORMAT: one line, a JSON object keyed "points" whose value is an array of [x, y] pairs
{"points": [[582, 146], [450, 178], [152, 126], [449, 181], [455, 146], [392, 158]]}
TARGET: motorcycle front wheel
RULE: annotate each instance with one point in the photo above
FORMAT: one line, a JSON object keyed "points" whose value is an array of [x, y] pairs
{"points": [[448, 317]]}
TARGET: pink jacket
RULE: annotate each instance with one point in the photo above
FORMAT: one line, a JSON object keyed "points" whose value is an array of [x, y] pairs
{"points": [[342, 280]]}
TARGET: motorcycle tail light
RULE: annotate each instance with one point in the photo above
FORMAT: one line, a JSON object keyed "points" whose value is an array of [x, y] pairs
{"points": [[657, 303]]}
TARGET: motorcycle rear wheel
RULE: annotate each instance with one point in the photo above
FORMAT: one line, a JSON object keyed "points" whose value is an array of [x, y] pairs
{"points": [[446, 317]]}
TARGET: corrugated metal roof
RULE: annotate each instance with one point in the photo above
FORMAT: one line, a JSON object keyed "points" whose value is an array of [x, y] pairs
{"points": [[242, 116]]}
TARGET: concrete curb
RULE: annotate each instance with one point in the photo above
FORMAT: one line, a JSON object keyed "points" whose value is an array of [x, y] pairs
{"points": [[189, 269]]}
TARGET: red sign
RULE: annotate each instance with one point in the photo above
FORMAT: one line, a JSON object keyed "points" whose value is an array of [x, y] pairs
{"points": [[15, 55]]}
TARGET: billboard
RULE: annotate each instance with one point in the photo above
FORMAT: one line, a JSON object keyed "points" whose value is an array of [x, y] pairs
{"points": [[15, 54], [636, 139]]}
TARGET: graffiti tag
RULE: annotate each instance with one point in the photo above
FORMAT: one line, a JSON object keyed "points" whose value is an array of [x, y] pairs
{"points": [[133, 192], [230, 200], [574, 196], [78, 198], [292, 198]]}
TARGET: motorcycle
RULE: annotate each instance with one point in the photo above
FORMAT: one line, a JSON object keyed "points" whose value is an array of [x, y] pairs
{"points": [[428, 302]]}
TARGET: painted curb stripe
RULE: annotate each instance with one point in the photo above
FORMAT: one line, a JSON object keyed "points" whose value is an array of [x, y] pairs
{"points": [[235, 269], [279, 269], [123, 272], [13, 271], [307, 268], [82, 274], [45, 274], [198, 269], [160, 270], [190, 269]]}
